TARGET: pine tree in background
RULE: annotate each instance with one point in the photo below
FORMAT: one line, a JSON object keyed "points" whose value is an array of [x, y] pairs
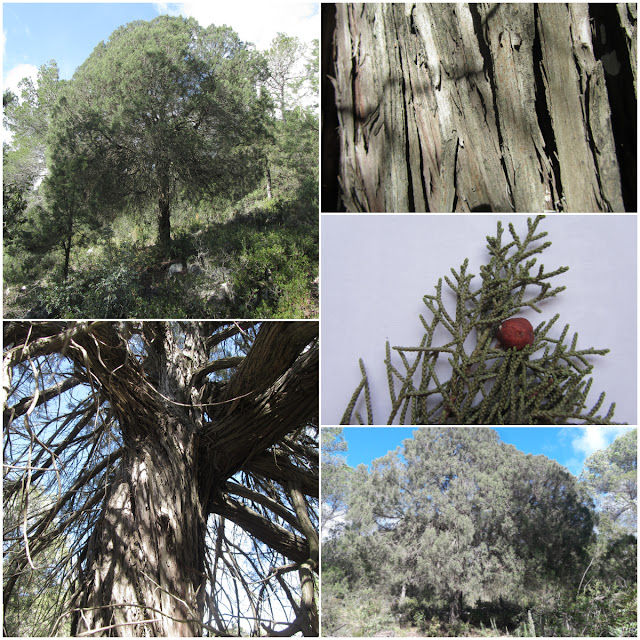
{"points": [[525, 378]]}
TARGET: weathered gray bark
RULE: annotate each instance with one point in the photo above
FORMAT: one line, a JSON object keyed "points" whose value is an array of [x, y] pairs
{"points": [[472, 107], [145, 564], [145, 558]]}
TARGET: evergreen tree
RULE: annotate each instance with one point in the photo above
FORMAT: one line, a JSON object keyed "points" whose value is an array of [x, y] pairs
{"points": [[540, 380], [454, 516], [293, 70], [177, 461], [612, 475], [28, 118], [166, 107], [292, 159], [25, 221], [335, 479]]}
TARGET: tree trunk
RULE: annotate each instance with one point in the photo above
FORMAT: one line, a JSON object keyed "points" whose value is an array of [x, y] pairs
{"points": [[67, 257], [283, 103], [145, 558], [455, 607], [480, 107], [269, 190], [164, 218], [145, 564]]}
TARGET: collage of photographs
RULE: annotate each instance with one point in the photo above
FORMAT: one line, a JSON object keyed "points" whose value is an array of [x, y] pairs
{"points": [[319, 319]]}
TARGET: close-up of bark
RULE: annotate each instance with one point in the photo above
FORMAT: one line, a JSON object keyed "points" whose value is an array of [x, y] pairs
{"points": [[479, 107]]}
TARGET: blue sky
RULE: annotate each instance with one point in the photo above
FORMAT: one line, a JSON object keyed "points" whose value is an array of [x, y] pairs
{"points": [[570, 446], [34, 33], [67, 32]]}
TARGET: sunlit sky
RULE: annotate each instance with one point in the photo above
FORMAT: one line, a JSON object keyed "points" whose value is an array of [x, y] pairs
{"points": [[569, 446], [34, 33]]}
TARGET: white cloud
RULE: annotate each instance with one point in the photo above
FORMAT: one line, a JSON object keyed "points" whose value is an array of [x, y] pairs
{"points": [[11, 82], [256, 22], [16, 74], [588, 440]]}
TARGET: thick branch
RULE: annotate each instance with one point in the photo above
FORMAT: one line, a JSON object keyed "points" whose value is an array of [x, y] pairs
{"points": [[254, 423], [277, 508], [279, 539], [216, 365], [276, 348], [23, 405], [278, 467]]}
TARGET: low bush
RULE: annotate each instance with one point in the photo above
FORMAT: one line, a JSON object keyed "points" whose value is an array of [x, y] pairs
{"points": [[249, 264]]}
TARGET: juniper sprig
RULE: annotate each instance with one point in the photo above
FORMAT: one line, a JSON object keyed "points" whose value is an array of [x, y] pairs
{"points": [[543, 383]]}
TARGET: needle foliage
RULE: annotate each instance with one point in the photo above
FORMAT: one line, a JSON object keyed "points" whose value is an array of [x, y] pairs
{"points": [[469, 379]]}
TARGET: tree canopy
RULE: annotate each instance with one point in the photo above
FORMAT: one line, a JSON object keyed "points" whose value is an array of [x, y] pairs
{"points": [[27, 117], [456, 526], [612, 475], [464, 513], [336, 475], [163, 108], [160, 478]]}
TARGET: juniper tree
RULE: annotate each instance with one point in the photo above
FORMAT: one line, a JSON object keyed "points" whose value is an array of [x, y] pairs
{"points": [[455, 516], [175, 464], [336, 475], [612, 475], [165, 109], [469, 377]]}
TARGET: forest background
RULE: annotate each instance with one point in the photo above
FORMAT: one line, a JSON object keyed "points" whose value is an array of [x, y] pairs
{"points": [[183, 185], [457, 533]]}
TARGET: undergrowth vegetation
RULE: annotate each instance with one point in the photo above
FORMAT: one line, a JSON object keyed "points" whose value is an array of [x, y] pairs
{"points": [[256, 259]]}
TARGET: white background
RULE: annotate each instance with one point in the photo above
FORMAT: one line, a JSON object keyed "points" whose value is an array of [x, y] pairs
{"points": [[375, 269]]}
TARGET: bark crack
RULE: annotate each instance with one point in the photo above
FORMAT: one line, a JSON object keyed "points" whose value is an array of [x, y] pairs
{"points": [[405, 100], [485, 52], [544, 119]]}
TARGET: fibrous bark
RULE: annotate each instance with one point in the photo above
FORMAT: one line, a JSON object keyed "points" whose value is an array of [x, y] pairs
{"points": [[472, 107], [143, 569]]}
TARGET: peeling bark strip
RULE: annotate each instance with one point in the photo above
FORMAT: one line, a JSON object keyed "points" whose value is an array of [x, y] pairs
{"points": [[147, 553], [476, 107]]}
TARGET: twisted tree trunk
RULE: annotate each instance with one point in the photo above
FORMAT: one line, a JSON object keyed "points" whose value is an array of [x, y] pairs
{"points": [[180, 439], [145, 558], [482, 107], [145, 564]]}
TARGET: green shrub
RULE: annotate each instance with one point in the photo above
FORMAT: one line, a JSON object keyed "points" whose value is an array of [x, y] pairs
{"points": [[99, 293], [273, 276]]}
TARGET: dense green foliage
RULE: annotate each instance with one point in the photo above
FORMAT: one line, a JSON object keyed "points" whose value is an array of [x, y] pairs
{"points": [[165, 144], [544, 383], [455, 530]]}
